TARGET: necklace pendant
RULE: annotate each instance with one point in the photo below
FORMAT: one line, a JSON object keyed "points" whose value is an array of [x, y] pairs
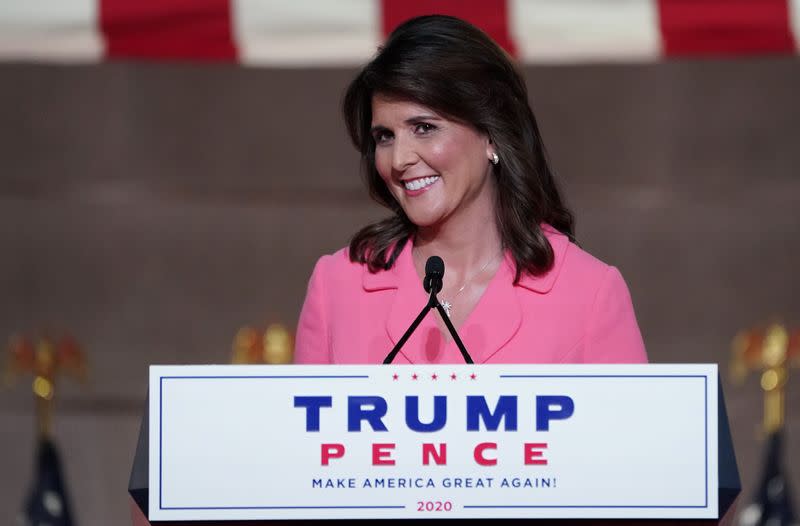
{"points": [[447, 306]]}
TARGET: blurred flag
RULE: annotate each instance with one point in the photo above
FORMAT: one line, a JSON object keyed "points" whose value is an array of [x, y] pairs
{"points": [[772, 504], [47, 503], [305, 33]]}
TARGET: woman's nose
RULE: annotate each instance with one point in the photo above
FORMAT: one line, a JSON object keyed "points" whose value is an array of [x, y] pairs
{"points": [[403, 154]]}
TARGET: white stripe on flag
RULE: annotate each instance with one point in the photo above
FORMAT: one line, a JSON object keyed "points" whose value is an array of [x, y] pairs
{"points": [[312, 32], [53, 30], [794, 21], [585, 30]]}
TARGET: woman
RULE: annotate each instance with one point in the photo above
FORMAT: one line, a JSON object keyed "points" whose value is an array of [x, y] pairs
{"points": [[451, 147]]}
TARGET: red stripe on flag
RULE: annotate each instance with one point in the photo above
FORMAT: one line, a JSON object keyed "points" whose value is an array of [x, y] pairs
{"points": [[168, 29], [489, 15], [726, 27]]}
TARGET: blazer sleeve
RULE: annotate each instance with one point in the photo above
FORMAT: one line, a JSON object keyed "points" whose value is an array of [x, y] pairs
{"points": [[312, 338], [612, 334]]}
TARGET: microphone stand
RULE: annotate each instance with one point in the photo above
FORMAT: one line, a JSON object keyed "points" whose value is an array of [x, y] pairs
{"points": [[433, 303]]}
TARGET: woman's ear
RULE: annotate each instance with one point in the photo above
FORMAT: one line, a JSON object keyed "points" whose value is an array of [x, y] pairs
{"points": [[491, 153]]}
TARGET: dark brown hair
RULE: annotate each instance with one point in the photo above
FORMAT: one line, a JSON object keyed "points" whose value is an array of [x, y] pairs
{"points": [[455, 69]]}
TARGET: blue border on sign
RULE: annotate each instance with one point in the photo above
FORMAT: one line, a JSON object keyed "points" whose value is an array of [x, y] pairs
{"points": [[474, 506], [258, 377], [613, 506]]}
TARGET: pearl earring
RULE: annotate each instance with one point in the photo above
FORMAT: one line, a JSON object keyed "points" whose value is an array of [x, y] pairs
{"points": [[494, 159]]}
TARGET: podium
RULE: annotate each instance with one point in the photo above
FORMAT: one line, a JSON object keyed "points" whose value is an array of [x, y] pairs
{"points": [[727, 482]]}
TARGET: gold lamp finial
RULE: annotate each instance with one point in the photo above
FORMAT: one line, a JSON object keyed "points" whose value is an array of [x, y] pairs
{"points": [[771, 350], [44, 358], [273, 346]]}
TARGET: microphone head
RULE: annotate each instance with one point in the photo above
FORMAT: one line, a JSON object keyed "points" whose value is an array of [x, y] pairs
{"points": [[434, 273], [434, 266]]}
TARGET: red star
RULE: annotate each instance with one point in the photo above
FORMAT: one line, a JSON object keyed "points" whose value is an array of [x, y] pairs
{"points": [[394, 376], [453, 376], [414, 376], [434, 377], [472, 376]]}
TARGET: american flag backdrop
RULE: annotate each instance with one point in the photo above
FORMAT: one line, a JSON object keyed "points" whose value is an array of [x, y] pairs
{"points": [[346, 32]]}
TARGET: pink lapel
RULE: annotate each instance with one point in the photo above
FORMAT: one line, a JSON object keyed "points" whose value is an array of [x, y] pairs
{"points": [[496, 318], [408, 299], [491, 325]]}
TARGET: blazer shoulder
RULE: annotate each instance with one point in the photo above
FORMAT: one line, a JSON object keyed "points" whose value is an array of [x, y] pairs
{"points": [[337, 269], [338, 260], [571, 265], [577, 261], [576, 271]]}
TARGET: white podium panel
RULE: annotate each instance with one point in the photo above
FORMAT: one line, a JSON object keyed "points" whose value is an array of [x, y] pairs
{"points": [[447, 441]]}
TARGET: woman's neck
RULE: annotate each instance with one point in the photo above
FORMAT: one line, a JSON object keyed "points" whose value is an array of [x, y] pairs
{"points": [[465, 243]]}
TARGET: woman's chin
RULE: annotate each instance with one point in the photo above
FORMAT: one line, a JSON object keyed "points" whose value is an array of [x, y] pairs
{"points": [[419, 215], [425, 221], [427, 216]]}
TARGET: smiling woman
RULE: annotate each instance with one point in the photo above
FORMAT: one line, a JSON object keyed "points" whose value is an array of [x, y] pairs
{"points": [[450, 145], [436, 169]]}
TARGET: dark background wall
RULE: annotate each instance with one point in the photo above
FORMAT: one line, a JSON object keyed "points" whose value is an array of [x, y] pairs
{"points": [[154, 209]]}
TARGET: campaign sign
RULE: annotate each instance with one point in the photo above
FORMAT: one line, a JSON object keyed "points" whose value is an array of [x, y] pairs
{"points": [[433, 441]]}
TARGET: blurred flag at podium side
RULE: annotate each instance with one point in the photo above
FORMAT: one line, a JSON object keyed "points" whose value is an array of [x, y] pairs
{"points": [[47, 503], [772, 505]]}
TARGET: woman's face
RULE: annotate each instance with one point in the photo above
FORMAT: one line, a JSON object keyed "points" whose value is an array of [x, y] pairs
{"points": [[435, 168]]}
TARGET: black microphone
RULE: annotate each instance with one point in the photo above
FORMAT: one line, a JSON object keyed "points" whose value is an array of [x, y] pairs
{"points": [[433, 282], [434, 274]]}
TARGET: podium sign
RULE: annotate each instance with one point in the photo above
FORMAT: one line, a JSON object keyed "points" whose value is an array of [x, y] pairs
{"points": [[433, 441]]}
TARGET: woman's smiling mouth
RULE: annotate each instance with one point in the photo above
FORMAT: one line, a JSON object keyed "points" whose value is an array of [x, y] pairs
{"points": [[419, 184]]}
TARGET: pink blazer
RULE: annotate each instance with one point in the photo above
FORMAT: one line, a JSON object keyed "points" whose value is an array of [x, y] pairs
{"points": [[579, 312]]}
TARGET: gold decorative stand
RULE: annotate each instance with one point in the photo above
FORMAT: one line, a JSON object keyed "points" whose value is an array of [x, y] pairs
{"points": [[771, 350], [275, 345], [44, 358]]}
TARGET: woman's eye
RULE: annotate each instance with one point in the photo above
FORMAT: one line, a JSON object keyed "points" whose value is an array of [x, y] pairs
{"points": [[382, 137], [423, 127]]}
